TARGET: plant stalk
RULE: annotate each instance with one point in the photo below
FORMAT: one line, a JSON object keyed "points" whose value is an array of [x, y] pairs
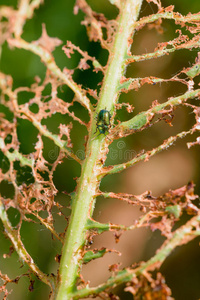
{"points": [[83, 202]]}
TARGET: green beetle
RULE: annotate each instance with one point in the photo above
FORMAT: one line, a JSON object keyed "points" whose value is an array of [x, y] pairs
{"points": [[103, 121]]}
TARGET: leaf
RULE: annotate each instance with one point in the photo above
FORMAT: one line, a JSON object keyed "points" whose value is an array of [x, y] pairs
{"points": [[174, 209], [194, 71], [100, 227], [93, 254]]}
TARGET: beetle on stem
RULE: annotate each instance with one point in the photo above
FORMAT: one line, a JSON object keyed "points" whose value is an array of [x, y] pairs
{"points": [[103, 121]]}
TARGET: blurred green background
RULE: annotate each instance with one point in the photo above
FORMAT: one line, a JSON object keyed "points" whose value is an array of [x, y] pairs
{"points": [[168, 170]]}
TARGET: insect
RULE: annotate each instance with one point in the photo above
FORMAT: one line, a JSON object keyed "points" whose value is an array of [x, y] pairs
{"points": [[103, 121]]}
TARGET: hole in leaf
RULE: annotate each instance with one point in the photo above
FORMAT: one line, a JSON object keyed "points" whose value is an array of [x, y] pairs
{"points": [[24, 97], [7, 189], [8, 139], [4, 163], [34, 108], [24, 174], [13, 216]]}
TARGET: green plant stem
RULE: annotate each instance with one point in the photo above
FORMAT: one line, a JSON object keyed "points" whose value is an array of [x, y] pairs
{"points": [[116, 63], [83, 202]]}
